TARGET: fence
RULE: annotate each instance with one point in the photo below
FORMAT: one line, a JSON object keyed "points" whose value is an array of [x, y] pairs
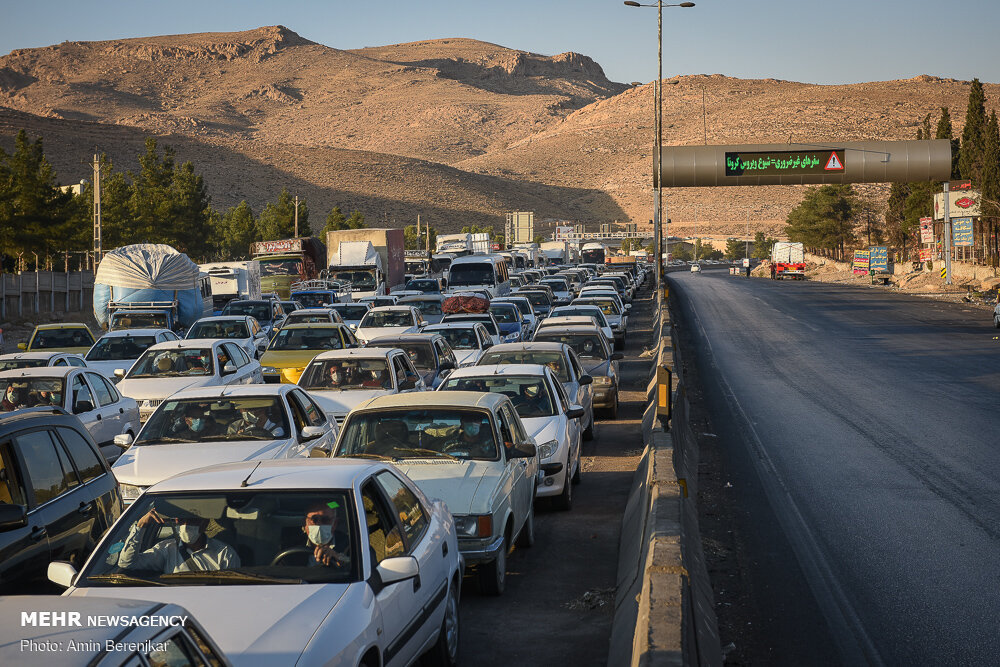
{"points": [[29, 293]]}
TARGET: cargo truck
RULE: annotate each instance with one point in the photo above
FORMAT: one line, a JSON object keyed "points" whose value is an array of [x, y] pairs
{"points": [[232, 280], [594, 253], [372, 261], [788, 261], [288, 261]]}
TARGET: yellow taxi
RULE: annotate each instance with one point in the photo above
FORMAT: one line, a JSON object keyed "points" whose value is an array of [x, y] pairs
{"points": [[65, 337], [295, 345]]}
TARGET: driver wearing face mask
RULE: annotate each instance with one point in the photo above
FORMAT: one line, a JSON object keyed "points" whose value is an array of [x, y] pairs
{"points": [[476, 436], [330, 545], [189, 550]]}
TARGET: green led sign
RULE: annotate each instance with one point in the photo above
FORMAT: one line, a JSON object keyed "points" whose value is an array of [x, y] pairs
{"points": [[827, 161]]}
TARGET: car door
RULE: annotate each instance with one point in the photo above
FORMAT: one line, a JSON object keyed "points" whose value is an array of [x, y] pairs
{"points": [[82, 403], [315, 416], [24, 551], [398, 603], [522, 492], [573, 426], [108, 414], [585, 395], [424, 539]]}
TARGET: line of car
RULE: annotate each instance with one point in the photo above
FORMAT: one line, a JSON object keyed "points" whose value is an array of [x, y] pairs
{"points": [[359, 470]]}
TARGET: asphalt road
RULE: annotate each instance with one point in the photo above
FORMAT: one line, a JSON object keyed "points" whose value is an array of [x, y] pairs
{"points": [[558, 605], [857, 432]]}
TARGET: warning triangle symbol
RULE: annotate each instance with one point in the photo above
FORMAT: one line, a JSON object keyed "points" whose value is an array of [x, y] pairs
{"points": [[833, 163]]}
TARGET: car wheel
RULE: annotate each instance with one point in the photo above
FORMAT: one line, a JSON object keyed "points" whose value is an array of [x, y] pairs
{"points": [[578, 475], [613, 410], [526, 538], [564, 501], [445, 651], [493, 575]]}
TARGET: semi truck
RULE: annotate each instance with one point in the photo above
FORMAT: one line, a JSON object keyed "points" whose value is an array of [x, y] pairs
{"points": [[149, 285], [788, 260], [372, 261], [594, 253], [287, 261], [232, 280], [455, 244]]}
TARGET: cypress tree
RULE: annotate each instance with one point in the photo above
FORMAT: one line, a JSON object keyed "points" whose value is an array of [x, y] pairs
{"points": [[990, 186], [945, 131], [970, 162]]}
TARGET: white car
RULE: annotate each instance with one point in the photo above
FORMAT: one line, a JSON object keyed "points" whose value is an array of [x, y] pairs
{"points": [[205, 426], [389, 321], [340, 380], [80, 391], [243, 330], [696, 268], [166, 368], [380, 300], [488, 320], [579, 315], [469, 449], [616, 317], [468, 340], [546, 413], [14, 360], [324, 315], [351, 313], [120, 349], [303, 562]]}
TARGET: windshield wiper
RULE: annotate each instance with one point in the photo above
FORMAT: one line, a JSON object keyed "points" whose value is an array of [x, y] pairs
{"points": [[378, 457], [151, 441], [119, 578], [232, 575], [427, 451]]}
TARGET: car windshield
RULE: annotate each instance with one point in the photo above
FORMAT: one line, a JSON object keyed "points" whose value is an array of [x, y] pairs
{"points": [[356, 278], [349, 312], [460, 338], [21, 392], [551, 358], [383, 301], [537, 298], [114, 348], [280, 267], [471, 274], [424, 433], [168, 363], [347, 374], [139, 321], [529, 394], [219, 330], [508, 314], [14, 364], [313, 299], [426, 286], [236, 418], [387, 318], [50, 338], [419, 352], [569, 311], [311, 338], [607, 306], [556, 285], [260, 310], [426, 306], [308, 318], [587, 346], [523, 306], [485, 320], [227, 538]]}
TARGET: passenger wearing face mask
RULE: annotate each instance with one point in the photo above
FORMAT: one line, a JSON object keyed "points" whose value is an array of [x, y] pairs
{"points": [[13, 399], [196, 425], [190, 550], [331, 546], [256, 421]]}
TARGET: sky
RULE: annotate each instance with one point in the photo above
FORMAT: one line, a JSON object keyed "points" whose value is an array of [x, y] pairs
{"points": [[812, 41]]}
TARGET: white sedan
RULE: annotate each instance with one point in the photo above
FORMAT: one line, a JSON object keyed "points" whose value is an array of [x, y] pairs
{"points": [[79, 391], [241, 329], [14, 360], [546, 413], [120, 349], [166, 368], [296, 562], [389, 321], [468, 340], [205, 426]]}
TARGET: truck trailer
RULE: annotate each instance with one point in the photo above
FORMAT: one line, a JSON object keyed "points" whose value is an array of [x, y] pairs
{"points": [[788, 261]]}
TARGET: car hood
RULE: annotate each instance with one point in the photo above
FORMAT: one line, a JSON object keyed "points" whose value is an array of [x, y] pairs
{"points": [[274, 633], [146, 465], [466, 356], [467, 487], [107, 368], [159, 388], [342, 402], [288, 358]]}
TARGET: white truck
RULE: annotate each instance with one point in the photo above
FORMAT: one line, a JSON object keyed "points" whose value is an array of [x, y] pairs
{"points": [[455, 244], [788, 260], [557, 252], [358, 264], [232, 280]]}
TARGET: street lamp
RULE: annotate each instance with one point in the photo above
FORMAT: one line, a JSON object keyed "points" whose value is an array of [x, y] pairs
{"points": [[658, 122]]}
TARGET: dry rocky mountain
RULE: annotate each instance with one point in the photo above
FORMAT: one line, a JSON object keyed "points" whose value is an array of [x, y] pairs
{"points": [[456, 130]]}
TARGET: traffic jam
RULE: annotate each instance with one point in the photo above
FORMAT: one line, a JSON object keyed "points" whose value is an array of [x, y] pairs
{"points": [[337, 437]]}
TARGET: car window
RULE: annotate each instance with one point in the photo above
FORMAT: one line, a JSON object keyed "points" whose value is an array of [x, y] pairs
{"points": [[104, 397], [237, 354], [575, 363], [411, 513], [81, 392], [60, 362], [11, 489], [298, 415], [506, 433], [174, 651], [203, 645], [86, 459], [224, 357], [78, 362], [49, 472], [314, 416], [115, 396], [563, 398], [399, 369], [384, 537]]}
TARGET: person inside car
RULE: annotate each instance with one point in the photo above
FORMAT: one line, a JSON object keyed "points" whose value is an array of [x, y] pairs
{"points": [[331, 545], [474, 437], [13, 399], [256, 421], [378, 380], [196, 424], [190, 550], [529, 401]]}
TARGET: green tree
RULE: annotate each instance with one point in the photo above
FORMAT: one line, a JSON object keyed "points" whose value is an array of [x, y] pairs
{"points": [[762, 245], [539, 239], [970, 162], [990, 188], [824, 220], [944, 131], [277, 220], [357, 220], [735, 249], [237, 229], [707, 251], [682, 253], [411, 241], [898, 229], [149, 204], [191, 213], [336, 221]]}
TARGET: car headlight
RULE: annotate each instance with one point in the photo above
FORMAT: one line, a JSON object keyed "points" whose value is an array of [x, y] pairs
{"points": [[547, 449], [602, 379], [473, 525], [269, 369], [130, 491]]}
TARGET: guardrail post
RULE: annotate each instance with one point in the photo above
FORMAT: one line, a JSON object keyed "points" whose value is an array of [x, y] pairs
{"points": [[664, 395]]}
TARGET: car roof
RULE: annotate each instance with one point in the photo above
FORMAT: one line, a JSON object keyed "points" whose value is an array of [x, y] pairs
{"points": [[62, 325], [395, 308], [40, 371], [459, 399], [567, 320], [311, 311], [50, 416], [188, 343], [301, 473], [223, 318], [354, 352], [569, 329], [12, 356], [412, 298], [295, 326], [453, 324], [533, 345], [406, 338]]}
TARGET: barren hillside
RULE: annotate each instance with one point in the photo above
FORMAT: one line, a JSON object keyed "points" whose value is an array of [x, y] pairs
{"points": [[456, 130]]}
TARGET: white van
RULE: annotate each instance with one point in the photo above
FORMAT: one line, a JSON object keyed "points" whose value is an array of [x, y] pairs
{"points": [[480, 272]]}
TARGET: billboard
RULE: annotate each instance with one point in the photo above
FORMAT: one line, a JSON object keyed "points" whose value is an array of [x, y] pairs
{"points": [[563, 233], [960, 204], [961, 230], [878, 259], [861, 261], [926, 230], [925, 254]]}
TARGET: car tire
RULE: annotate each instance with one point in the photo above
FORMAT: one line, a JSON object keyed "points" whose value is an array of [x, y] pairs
{"points": [[613, 410], [493, 575], [578, 475], [564, 501], [526, 538], [445, 651]]}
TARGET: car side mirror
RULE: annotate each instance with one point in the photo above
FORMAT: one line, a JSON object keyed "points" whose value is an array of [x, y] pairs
{"points": [[228, 369], [574, 412], [585, 379], [395, 570], [61, 573], [119, 373], [312, 432], [615, 356], [446, 365], [123, 440], [628, 306], [524, 450], [13, 516], [82, 406]]}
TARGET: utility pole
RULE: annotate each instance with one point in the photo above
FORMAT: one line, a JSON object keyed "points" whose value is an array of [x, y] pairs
{"points": [[296, 216], [947, 234], [97, 209]]}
